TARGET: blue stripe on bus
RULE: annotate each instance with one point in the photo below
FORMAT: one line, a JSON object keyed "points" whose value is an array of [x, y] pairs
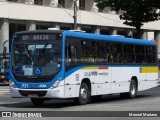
{"points": [[108, 38]]}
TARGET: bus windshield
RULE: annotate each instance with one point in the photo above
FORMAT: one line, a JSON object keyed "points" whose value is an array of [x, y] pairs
{"points": [[36, 57]]}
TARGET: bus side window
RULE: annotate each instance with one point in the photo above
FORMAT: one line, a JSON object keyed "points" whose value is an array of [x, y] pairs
{"points": [[83, 47], [129, 54], [71, 55], [140, 54], [91, 51], [150, 54], [109, 55], [67, 55], [116, 53], [101, 52], [88, 51]]}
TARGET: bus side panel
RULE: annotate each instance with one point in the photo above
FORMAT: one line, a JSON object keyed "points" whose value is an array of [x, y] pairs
{"points": [[120, 79], [112, 80], [72, 84], [71, 91], [136, 72], [148, 84], [141, 77], [99, 78], [152, 76], [106, 83], [151, 79]]}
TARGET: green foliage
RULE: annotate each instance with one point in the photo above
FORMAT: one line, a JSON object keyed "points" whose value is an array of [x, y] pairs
{"points": [[101, 3], [135, 12]]}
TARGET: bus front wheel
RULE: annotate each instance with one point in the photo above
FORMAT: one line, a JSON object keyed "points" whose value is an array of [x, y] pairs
{"points": [[84, 95], [37, 101]]}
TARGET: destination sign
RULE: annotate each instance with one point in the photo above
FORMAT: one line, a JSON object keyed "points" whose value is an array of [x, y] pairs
{"points": [[36, 37]]}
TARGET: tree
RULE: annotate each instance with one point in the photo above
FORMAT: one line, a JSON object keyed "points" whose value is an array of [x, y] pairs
{"points": [[101, 4], [135, 12]]}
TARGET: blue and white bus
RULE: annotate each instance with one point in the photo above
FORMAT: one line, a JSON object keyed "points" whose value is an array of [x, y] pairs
{"points": [[46, 64]]}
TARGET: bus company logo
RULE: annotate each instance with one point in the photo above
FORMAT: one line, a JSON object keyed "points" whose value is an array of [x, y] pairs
{"points": [[42, 86], [93, 73], [103, 74]]}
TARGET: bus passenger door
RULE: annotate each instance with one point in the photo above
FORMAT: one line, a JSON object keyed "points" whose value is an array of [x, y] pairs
{"points": [[71, 51]]}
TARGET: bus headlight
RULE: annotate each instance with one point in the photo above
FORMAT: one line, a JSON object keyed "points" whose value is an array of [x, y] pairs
{"points": [[11, 84], [56, 83]]}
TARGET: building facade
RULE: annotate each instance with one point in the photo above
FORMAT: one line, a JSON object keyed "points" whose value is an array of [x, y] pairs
{"points": [[21, 15]]}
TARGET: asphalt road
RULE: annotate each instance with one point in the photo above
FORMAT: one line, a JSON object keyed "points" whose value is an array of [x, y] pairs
{"points": [[148, 100]]}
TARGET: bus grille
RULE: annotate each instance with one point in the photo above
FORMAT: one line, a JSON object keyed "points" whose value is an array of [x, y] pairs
{"points": [[39, 93], [35, 80]]}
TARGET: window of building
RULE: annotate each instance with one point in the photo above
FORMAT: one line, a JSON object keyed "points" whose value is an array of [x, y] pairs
{"points": [[38, 2], [82, 4], [42, 27], [61, 3], [15, 28]]}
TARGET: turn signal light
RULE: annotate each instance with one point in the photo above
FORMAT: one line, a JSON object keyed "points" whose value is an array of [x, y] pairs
{"points": [[1, 76]]}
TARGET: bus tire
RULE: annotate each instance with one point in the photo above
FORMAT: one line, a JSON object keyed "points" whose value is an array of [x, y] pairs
{"points": [[84, 95], [37, 101], [132, 90]]}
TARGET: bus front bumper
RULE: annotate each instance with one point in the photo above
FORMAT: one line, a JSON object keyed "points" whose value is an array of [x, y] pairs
{"points": [[40, 93]]}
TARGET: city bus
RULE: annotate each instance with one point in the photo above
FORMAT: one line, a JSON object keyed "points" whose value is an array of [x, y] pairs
{"points": [[4, 65], [51, 64]]}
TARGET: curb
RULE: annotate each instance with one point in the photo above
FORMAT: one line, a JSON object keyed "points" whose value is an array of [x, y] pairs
{"points": [[5, 93]]}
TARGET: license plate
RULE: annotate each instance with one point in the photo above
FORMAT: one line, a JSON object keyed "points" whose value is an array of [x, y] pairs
{"points": [[32, 95]]}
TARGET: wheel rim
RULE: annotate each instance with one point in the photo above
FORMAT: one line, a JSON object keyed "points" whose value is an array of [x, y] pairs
{"points": [[133, 89], [83, 94]]}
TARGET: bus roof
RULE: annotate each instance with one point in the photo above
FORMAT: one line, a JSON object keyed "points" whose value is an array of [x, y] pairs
{"points": [[39, 31], [108, 38], [93, 36]]}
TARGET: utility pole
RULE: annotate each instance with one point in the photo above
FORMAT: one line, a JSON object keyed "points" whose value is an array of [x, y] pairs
{"points": [[75, 14]]}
